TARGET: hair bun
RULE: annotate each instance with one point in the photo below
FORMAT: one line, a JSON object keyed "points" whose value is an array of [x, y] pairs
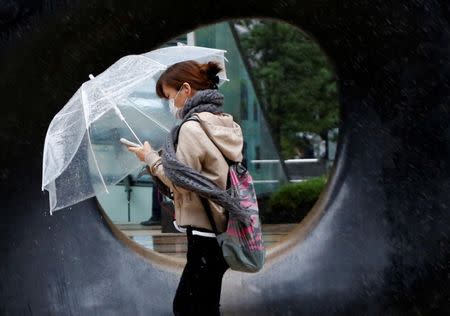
{"points": [[211, 69]]}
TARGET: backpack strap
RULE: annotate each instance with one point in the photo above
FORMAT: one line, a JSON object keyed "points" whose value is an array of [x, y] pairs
{"points": [[208, 210], [190, 118]]}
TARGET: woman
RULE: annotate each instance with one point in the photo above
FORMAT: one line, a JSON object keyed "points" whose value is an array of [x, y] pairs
{"points": [[194, 165]]}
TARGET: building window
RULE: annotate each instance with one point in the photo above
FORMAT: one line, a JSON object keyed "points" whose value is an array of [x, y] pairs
{"points": [[244, 101], [255, 111], [244, 154]]}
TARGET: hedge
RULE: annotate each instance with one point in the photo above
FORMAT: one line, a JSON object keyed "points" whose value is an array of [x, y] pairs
{"points": [[291, 202]]}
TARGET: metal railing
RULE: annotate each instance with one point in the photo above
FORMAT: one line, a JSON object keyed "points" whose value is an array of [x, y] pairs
{"points": [[290, 163], [287, 161]]}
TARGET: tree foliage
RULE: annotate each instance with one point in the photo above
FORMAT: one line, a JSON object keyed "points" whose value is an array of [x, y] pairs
{"points": [[291, 202], [294, 78]]}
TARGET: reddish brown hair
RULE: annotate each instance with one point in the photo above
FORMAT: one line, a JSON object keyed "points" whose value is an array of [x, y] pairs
{"points": [[199, 76]]}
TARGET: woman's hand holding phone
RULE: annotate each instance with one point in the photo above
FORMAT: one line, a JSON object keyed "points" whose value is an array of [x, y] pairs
{"points": [[139, 150], [129, 143]]}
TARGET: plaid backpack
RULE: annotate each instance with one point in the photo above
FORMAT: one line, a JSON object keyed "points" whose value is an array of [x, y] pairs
{"points": [[242, 243]]}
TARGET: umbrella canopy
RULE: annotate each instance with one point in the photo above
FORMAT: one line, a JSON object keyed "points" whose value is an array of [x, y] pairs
{"points": [[82, 152]]}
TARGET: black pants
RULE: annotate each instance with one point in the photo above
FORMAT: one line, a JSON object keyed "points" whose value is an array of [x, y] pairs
{"points": [[198, 292]]}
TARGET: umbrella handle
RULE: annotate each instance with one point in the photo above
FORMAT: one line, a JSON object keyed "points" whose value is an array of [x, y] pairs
{"points": [[118, 112]]}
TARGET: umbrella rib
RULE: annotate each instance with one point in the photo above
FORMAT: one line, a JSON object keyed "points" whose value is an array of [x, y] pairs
{"points": [[120, 115], [152, 60], [143, 113], [134, 134], [84, 102], [118, 112], [134, 82], [66, 113], [62, 169]]}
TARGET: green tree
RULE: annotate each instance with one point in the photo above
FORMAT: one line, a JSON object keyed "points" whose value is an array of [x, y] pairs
{"points": [[294, 78]]}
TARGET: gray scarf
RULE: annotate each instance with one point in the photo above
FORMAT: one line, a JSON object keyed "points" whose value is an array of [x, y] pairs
{"points": [[184, 176], [203, 101]]}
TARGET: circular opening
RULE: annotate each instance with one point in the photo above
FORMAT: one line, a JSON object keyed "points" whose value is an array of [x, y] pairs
{"points": [[282, 91]]}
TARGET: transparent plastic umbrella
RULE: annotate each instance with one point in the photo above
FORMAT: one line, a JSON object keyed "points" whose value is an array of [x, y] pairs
{"points": [[82, 151]]}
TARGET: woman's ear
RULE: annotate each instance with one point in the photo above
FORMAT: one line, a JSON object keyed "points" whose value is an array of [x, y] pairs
{"points": [[188, 88]]}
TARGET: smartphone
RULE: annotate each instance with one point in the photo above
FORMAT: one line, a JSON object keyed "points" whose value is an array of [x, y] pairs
{"points": [[129, 143]]}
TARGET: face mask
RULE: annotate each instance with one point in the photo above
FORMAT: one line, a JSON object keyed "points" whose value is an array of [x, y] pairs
{"points": [[173, 109]]}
